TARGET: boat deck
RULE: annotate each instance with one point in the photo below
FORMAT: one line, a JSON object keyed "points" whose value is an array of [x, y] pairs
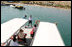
{"points": [[28, 37]]}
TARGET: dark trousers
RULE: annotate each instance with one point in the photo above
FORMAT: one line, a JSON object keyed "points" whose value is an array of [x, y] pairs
{"points": [[30, 22], [24, 39]]}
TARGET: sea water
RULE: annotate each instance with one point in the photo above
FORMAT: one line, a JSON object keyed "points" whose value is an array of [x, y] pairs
{"points": [[54, 15]]}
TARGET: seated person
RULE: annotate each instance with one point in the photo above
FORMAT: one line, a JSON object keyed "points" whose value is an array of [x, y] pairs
{"points": [[22, 36], [13, 42], [33, 31]]}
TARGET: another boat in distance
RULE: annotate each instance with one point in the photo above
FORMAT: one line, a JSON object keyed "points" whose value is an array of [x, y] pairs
{"points": [[12, 5], [17, 6]]}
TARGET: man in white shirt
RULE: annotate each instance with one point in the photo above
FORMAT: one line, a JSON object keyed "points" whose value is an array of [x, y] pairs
{"points": [[30, 20]]}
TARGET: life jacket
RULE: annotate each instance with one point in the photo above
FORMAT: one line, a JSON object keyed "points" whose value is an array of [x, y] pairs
{"points": [[32, 31]]}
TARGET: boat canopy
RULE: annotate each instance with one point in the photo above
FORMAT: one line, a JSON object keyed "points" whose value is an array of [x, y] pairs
{"points": [[10, 27], [47, 35]]}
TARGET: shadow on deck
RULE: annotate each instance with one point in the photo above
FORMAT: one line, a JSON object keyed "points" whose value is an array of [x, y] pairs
{"points": [[28, 40]]}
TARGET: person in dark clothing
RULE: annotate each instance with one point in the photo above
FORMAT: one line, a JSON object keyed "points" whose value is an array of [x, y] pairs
{"points": [[25, 16]]}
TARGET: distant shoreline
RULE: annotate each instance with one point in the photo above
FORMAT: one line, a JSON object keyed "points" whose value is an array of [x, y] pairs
{"points": [[40, 5], [47, 6]]}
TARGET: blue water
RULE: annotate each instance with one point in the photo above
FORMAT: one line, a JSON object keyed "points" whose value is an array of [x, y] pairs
{"points": [[60, 16]]}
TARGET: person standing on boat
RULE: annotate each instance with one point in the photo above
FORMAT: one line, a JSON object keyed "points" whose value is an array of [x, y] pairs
{"points": [[30, 20], [33, 31]]}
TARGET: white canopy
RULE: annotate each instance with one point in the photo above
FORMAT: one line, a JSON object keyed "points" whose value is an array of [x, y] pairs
{"points": [[10, 27], [47, 35]]}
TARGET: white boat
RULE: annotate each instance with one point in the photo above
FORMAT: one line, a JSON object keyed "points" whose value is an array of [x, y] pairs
{"points": [[12, 6], [47, 33]]}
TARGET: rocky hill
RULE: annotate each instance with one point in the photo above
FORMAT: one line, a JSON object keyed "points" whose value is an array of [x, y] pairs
{"points": [[61, 4]]}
